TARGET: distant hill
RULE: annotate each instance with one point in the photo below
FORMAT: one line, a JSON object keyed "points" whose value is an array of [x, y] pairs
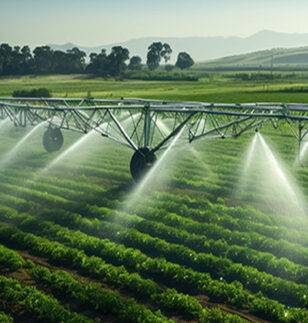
{"points": [[276, 58], [205, 48]]}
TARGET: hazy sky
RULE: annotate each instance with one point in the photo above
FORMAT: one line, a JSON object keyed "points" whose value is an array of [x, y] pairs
{"points": [[99, 22]]}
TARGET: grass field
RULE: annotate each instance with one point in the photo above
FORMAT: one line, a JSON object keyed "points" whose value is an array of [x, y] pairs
{"points": [[195, 248], [215, 88]]}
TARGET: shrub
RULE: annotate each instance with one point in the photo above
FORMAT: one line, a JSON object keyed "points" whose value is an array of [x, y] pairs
{"points": [[32, 93]]}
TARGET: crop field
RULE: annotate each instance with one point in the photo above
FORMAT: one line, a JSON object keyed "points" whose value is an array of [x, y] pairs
{"points": [[215, 87], [208, 240]]}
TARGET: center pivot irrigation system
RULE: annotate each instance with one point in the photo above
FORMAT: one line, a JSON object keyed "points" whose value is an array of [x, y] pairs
{"points": [[147, 126]]}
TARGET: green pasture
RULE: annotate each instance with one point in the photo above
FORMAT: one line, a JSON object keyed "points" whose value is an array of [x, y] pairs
{"points": [[215, 88]]}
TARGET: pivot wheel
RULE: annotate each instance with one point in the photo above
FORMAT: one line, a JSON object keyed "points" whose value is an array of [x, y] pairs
{"points": [[52, 139], [141, 162]]}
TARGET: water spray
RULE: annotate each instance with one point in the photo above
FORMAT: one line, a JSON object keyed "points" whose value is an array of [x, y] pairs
{"points": [[12, 153], [250, 153], [303, 151], [291, 197], [69, 150], [143, 185]]}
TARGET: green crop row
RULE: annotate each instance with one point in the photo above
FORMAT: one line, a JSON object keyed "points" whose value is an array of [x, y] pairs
{"points": [[234, 218], [94, 266], [113, 173], [229, 221], [280, 248], [285, 291], [208, 216], [231, 272], [69, 194], [124, 310], [79, 184], [17, 203], [263, 261], [219, 290], [199, 243], [291, 234], [36, 196], [253, 240], [10, 258], [34, 301], [227, 216]]}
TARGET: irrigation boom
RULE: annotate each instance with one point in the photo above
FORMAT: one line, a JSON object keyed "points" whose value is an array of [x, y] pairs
{"points": [[147, 126]]}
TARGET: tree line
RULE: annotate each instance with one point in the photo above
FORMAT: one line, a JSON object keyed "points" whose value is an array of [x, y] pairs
{"points": [[44, 60]]}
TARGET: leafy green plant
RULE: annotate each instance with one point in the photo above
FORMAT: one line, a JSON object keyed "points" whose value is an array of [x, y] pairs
{"points": [[33, 93]]}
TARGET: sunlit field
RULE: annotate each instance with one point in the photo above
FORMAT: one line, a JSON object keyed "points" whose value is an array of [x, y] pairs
{"points": [[216, 87], [218, 232]]}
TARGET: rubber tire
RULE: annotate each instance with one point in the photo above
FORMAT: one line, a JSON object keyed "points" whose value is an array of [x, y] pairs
{"points": [[141, 162], [52, 139]]}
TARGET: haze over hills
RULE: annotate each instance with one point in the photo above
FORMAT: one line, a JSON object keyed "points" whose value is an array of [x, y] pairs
{"points": [[287, 58], [204, 48]]}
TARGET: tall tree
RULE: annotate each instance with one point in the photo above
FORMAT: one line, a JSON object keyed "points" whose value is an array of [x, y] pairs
{"points": [[43, 60], [156, 51], [7, 59], [184, 61], [113, 64], [135, 63], [27, 60], [15, 60], [166, 52], [116, 60], [26, 53], [75, 60], [98, 63], [59, 62], [153, 56]]}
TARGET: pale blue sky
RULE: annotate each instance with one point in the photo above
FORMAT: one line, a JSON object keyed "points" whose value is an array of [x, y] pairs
{"points": [[94, 22]]}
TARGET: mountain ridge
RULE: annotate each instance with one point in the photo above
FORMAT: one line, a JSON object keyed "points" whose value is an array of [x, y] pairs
{"points": [[203, 48]]}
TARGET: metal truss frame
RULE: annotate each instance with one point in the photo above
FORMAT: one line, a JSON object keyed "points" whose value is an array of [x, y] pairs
{"points": [[138, 123]]}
